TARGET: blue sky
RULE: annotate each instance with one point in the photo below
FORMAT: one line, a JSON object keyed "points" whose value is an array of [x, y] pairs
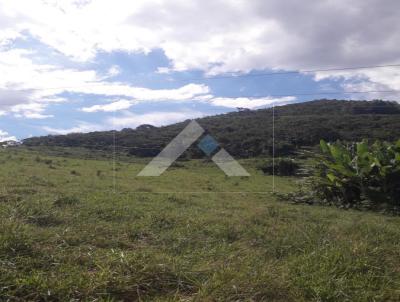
{"points": [[80, 66]]}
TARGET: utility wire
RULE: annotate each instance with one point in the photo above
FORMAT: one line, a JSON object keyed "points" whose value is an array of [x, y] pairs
{"points": [[233, 76], [310, 94], [301, 94], [261, 74]]}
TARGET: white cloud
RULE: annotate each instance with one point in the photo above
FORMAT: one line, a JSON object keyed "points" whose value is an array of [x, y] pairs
{"points": [[112, 107], [24, 86], [216, 35], [4, 136], [379, 79], [242, 102], [23, 83], [82, 127], [163, 70], [113, 71], [128, 119], [133, 120], [250, 103], [30, 110], [183, 93]]}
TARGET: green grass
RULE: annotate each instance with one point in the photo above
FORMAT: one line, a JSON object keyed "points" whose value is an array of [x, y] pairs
{"points": [[74, 229]]}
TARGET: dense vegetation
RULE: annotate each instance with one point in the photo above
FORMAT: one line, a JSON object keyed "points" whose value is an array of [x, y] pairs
{"points": [[249, 133], [360, 173], [280, 167], [75, 229]]}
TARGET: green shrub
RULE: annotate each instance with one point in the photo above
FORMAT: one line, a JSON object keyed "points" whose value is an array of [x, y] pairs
{"points": [[281, 167], [359, 173], [74, 172]]}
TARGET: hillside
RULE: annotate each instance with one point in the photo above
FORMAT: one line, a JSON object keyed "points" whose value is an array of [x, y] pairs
{"points": [[249, 133]]}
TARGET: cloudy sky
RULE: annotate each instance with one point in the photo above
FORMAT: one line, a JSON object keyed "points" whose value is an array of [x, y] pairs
{"points": [[86, 65]]}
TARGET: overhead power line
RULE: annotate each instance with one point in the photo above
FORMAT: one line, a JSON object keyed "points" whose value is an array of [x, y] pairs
{"points": [[232, 76], [314, 93], [302, 94], [261, 74]]}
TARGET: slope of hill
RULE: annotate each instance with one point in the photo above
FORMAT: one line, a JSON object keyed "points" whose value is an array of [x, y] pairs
{"points": [[249, 133]]}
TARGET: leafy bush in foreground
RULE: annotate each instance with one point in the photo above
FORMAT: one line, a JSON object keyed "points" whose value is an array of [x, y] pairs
{"points": [[359, 173]]}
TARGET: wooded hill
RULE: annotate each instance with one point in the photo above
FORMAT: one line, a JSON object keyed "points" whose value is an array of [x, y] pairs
{"points": [[249, 133]]}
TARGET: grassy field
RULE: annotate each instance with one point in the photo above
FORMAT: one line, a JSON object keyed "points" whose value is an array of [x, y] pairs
{"points": [[88, 229]]}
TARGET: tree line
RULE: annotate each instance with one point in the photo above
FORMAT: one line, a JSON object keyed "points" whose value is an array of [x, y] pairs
{"points": [[249, 133]]}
